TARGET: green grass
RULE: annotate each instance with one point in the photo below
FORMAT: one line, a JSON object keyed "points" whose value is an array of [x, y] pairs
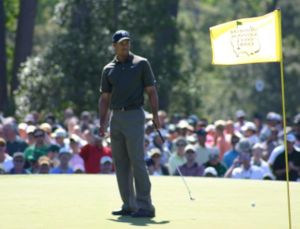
{"points": [[85, 201]]}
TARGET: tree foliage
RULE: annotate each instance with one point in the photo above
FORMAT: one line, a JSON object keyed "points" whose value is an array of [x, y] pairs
{"points": [[174, 36]]}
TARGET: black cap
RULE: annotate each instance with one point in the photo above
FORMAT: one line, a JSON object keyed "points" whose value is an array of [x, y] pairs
{"points": [[38, 133], [120, 35], [201, 132]]}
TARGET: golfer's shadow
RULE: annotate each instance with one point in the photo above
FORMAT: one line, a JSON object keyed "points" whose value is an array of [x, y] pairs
{"points": [[138, 221]]}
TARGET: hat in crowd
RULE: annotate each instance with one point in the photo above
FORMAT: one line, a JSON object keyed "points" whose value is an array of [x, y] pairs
{"points": [[201, 132], [22, 126], [249, 126], [190, 148], [65, 150], [210, 127], [120, 35], [38, 132], [243, 146], [78, 167], [181, 142], [214, 154], [240, 114], [192, 139], [60, 133], [220, 123], [74, 138], [291, 138], [258, 146], [46, 127], [44, 160], [18, 154], [105, 159], [154, 151], [2, 142], [30, 129], [171, 128], [210, 171], [268, 176], [272, 116], [183, 124], [29, 118], [53, 148]]}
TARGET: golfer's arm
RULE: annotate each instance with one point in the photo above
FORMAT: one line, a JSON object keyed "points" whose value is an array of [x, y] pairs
{"points": [[153, 99], [104, 102]]}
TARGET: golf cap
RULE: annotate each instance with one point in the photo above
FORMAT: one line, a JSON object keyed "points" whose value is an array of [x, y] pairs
{"points": [[30, 129], [154, 151], [190, 149], [248, 126], [244, 146], [105, 159], [210, 170], [38, 133], [291, 138], [2, 142], [240, 114], [65, 150], [201, 132], [120, 35], [18, 154], [44, 160]]}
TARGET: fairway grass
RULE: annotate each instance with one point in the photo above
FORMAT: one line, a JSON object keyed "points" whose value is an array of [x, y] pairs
{"points": [[86, 201]]}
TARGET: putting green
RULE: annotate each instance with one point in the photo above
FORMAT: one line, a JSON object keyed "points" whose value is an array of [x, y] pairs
{"points": [[85, 201]]}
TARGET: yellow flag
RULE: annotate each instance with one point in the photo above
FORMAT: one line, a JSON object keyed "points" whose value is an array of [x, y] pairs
{"points": [[247, 40]]}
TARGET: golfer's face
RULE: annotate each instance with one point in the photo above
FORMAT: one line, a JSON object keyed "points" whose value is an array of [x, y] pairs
{"points": [[122, 48]]}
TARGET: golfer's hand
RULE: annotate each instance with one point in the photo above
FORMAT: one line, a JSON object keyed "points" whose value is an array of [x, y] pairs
{"points": [[101, 131], [156, 122]]}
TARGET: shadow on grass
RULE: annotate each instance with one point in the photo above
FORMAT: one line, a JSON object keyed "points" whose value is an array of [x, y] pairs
{"points": [[138, 221]]}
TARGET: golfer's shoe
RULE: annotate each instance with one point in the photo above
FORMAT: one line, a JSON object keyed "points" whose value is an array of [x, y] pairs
{"points": [[123, 212], [143, 213]]}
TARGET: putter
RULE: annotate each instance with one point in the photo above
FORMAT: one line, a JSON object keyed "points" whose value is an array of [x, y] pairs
{"points": [[177, 168]]}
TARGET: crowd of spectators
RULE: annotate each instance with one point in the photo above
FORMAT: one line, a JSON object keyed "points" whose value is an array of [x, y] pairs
{"points": [[238, 148]]}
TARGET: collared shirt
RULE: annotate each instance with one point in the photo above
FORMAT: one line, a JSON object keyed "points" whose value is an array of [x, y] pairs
{"points": [[16, 146], [253, 172], [194, 170], [7, 163], [175, 161], [202, 154], [91, 156], [126, 81]]}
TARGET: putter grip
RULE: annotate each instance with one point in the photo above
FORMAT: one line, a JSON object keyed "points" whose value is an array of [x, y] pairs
{"points": [[159, 133]]}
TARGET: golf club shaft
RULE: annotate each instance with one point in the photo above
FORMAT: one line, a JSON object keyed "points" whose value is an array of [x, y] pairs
{"points": [[177, 168]]}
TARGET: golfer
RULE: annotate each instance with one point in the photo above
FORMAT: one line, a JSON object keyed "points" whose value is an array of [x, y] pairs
{"points": [[124, 81]]}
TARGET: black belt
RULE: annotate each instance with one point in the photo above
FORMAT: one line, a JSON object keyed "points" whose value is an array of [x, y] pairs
{"points": [[127, 108]]}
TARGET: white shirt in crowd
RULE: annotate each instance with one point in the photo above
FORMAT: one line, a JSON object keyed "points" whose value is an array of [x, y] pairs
{"points": [[253, 172]]}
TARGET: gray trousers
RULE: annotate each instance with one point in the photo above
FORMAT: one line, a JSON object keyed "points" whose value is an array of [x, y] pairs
{"points": [[127, 142]]}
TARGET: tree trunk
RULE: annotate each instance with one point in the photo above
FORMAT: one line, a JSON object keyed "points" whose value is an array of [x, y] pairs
{"points": [[24, 38], [117, 4], [165, 40], [3, 80]]}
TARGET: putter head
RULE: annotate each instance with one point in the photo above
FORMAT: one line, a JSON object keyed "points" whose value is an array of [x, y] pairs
{"points": [[191, 198]]}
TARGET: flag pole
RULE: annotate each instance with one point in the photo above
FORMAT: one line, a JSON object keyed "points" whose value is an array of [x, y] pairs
{"points": [[279, 34], [285, 143]]}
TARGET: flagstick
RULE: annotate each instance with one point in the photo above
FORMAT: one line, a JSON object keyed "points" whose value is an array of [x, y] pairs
{"points": [[285, 144]]}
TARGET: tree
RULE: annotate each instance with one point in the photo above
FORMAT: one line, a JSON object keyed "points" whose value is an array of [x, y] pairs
{"points": [[24, 38], [83, 46], [3, 80]]}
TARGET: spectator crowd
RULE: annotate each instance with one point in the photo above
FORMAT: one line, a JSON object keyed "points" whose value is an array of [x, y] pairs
{"points": [[241, 148]]}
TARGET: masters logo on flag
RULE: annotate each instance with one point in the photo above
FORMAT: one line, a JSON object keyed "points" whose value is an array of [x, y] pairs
{"points": [[248, 40]]}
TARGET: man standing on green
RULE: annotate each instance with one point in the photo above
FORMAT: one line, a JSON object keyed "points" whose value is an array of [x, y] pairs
{"points": [[124, 81]]}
